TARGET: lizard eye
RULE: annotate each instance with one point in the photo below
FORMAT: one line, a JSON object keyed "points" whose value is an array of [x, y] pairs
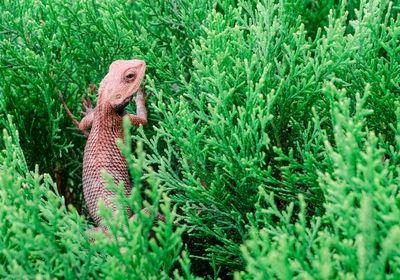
{"points": [[130, 77]]}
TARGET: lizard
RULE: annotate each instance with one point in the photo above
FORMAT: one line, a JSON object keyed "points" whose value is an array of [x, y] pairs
{"points": [[116, 91]]}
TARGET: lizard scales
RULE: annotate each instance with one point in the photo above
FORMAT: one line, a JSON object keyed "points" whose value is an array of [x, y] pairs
{"points": [[116, 90], [101, 152]]}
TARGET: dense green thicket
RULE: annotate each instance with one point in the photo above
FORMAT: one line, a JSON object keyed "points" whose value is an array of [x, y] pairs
{"points": [[273, 143], [39, 237]]}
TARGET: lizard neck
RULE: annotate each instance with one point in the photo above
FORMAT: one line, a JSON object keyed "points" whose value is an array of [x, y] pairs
{"points": [[107, 116]]}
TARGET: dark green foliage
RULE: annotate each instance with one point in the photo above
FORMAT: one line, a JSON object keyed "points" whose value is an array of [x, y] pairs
{"points": [[273, 137]]}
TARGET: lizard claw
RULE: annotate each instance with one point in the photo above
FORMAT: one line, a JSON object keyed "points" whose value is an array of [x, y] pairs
{"points": [[75, 122], [143, 90], [87, 104], [148, 94], [92, 88]]}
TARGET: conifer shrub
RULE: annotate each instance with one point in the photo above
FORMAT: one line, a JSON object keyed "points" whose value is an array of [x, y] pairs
{"points": [[272, 145], [41, 239]]}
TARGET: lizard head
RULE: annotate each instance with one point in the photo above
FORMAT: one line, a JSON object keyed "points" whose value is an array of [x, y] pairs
{"points": [[122, 82]]}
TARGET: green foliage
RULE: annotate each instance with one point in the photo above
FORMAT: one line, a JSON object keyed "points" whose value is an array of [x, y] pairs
{"points": [[358, 236], [40, 238], [272, 147], [38, 235]]}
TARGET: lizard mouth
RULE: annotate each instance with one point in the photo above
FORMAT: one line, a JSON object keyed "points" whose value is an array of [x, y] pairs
{"points": [[120, 108], [127, 100]]}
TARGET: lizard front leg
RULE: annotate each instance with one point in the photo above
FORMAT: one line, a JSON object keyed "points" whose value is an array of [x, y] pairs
{"points": [[141, 111], [88, 114], [86, 122]]}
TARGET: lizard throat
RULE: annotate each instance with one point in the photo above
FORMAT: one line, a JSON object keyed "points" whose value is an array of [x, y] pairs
{"points": [[120, 108]]}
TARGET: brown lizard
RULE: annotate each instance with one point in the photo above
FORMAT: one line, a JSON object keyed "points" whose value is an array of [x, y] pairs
{"points": [[116, 90]]}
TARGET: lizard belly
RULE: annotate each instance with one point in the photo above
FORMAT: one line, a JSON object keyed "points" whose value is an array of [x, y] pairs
{"points": [[102, 156]]}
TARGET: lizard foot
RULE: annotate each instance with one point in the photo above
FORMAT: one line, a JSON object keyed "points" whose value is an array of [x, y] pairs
{"points": [[87, 104], [141, 94]]}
